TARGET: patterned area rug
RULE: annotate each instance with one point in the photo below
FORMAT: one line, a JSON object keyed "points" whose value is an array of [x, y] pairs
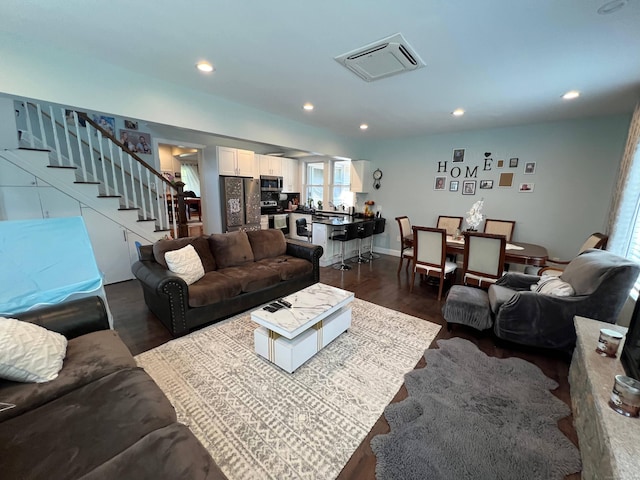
{"points": [[471, 416], [259, 422]]}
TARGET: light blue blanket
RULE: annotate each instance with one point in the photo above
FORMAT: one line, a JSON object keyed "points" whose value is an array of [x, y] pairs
{"points": [[45, 262]]}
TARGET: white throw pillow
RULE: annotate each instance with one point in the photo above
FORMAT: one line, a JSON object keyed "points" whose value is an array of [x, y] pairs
{"points": [[552, 285], [185, 263], [29, 352]]}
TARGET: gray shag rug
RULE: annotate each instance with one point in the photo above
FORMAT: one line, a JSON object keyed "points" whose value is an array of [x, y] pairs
{"points": [[471, 416], [260, 422]]}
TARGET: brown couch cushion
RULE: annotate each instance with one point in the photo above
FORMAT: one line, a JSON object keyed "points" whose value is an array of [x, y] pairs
{"points": [[200, 245], [171, 452], [212, 288], [267, 243], [74, 434], [89, 357], [253, 276], [287, 266], [231, 249]]}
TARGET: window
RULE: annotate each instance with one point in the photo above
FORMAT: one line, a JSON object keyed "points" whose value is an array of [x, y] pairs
{"points": [[341, 188], [314, 188], [625, 236]]}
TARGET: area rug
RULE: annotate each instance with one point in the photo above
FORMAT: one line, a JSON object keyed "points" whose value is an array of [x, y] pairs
{"points": [[259, 422], [471, 416]]}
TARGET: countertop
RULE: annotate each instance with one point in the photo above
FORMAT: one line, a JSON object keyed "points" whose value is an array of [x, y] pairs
{"points": [[338, 221]]}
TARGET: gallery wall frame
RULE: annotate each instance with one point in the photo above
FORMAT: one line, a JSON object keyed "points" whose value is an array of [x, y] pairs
{"points": [[526, 187], [469, 187], [530, 168], [453, 185]]}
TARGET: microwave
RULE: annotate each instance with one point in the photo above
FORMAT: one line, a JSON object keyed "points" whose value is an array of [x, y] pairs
{"points": [[270, 183]]}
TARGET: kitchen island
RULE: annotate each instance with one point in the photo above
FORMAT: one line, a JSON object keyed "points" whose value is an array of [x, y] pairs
{"points": [[324, 226]]}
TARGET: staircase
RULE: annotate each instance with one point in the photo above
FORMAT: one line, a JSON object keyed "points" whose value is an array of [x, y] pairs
{"points": [[72, 153]]}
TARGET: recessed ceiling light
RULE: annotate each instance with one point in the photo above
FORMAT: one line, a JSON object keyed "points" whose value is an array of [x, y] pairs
{"points": [[204, 66], [308, 106], [571, 94], [611, 7], [364, 126], [458, 112]]}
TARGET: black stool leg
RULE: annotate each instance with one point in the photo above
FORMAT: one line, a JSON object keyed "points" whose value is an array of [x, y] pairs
{"points": [[342, 266]]}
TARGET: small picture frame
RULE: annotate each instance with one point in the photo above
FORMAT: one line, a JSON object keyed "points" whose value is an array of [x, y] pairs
{"points": [[513, 163], [486, 184], [458, 155], [130, 125], [500, 163], [453, 185], [440, 183], [526, 187], [177, 175], [469, 187], [106, 123], [136, 142], [530, 168], [506, 179]]}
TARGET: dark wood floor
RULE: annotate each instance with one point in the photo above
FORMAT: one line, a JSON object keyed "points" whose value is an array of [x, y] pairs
{"points": [[374, 282]]}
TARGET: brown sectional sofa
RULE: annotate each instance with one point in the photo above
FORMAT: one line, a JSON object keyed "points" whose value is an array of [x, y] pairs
{"points": [[242, 270], [101, 418]]}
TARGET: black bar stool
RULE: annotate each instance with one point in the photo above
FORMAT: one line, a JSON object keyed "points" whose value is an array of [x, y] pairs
{"points": [[377, 230], [365, 230], [302, 230], [350, 232]]}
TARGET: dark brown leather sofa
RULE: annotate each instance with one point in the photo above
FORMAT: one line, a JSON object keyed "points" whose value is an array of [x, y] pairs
{"points": [[242, 270], [101, 418]]}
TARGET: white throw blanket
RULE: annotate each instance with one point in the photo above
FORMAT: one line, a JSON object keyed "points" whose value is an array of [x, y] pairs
{"points": [[280, 221]]}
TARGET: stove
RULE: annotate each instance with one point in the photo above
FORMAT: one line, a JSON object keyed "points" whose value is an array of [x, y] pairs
{"points": [[269, 207]]}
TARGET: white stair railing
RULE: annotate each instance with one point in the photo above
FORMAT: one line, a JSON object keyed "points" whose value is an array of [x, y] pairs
{"points": [[100, 158]]}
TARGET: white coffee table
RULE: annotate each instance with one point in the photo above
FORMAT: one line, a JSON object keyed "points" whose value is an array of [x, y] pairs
{"points": [[291, 336]]}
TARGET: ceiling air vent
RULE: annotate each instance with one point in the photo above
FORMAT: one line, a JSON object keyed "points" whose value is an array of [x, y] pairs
{"points": [[389, 56]]}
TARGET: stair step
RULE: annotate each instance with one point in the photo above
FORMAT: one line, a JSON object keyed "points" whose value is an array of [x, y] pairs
{"points": [[129, 208], [67, 167], [147, 220], [109, 196], [87, 183], [35, 149]]}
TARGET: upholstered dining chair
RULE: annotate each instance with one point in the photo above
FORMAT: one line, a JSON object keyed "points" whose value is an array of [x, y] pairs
{"points": [[430, 255], [483, 258], [406, 241], [499, 227], [450, 224], [556, 267]]}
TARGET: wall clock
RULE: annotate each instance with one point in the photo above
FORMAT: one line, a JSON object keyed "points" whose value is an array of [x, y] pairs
{"points": [[377, 175]]}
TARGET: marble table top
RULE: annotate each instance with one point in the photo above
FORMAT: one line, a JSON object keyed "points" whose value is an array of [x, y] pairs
{"points": [[308, 307]]}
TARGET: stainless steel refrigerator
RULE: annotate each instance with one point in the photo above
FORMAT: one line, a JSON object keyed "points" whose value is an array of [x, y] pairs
{"points": [[240, 203]]}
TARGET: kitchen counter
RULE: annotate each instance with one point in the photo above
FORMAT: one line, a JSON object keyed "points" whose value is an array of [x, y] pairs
{"points": [[338, 221]]}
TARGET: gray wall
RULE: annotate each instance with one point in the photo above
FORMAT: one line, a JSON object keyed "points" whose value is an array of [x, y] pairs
{"points": [[576, 167]]}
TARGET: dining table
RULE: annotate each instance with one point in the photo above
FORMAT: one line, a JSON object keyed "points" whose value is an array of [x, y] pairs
{"points": [[515, 252]]}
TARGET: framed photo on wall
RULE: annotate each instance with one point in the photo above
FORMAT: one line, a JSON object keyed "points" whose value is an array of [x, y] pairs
{"points": [[486, 184], [526, 187], [513, 162], [440, 183], [458, 155], [453, 185], [136, 142], [469, 187], [530, 168]]}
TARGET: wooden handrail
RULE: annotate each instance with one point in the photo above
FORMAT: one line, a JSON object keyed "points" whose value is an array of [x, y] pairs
{"points": [[105, 133]]}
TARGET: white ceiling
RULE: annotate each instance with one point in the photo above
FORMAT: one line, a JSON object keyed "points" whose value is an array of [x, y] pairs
{"points": [[505, 62]]}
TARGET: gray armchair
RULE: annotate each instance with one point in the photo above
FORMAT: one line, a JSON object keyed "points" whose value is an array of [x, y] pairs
{"points": [[601, 281]]}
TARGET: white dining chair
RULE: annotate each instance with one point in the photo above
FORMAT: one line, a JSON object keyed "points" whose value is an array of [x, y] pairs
{"points": [[484, 255], [430, 255]]}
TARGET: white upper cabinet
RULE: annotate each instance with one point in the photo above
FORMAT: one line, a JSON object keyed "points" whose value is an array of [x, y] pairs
{"points": [[360, 176], [235, 162], [290, 175], [270, 165]]}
